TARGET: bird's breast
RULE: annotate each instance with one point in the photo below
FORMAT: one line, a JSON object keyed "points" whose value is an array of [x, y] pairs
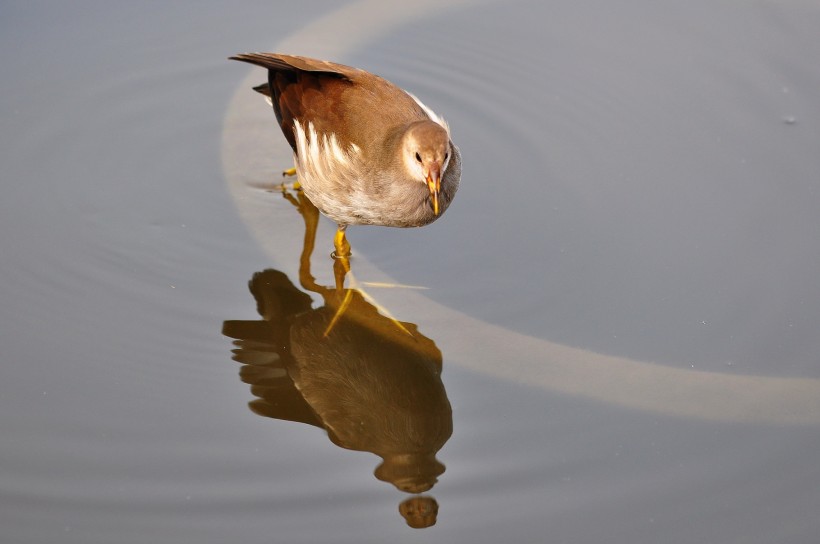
{"points": [[337, 177]]}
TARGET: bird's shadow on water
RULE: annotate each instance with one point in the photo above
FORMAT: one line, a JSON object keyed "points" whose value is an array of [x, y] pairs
{"points": [[371, 381]]}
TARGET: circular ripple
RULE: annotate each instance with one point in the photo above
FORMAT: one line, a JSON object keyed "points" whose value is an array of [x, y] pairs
{"points": [[613, 188]]}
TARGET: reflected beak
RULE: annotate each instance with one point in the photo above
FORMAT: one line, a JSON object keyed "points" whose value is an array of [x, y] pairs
{"points": [[434, 184]]}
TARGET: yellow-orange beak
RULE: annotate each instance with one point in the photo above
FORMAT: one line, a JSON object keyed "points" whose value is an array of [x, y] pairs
{"points": [[434, 184]]}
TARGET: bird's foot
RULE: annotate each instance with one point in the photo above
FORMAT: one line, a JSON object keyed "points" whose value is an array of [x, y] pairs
{"points": [[294, 186], [341, 269], [339, 312]]}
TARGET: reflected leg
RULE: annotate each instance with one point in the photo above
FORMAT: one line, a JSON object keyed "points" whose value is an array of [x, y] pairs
{"points": [[310, 214]]}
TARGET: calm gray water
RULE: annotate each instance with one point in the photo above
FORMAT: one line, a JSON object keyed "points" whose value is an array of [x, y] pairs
{"points": [[617, 340]]}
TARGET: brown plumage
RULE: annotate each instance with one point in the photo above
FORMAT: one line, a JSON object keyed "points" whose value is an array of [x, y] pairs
{"points": [[366, 152]]}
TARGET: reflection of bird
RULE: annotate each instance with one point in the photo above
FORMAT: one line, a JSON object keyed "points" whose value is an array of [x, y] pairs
{"points": [[374, 383], [366, 152], [367, 382], [419, 512], [376, 388]]}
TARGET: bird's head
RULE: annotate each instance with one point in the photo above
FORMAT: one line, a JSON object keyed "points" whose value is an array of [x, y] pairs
{"points": [[426, 153]]}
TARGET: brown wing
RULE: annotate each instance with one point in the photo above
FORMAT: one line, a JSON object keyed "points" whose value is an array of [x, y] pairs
{"points": [[358, 107], [303, 89]]}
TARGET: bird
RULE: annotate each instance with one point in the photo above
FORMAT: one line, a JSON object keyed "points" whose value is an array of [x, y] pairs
{"points": [[365, 151]]}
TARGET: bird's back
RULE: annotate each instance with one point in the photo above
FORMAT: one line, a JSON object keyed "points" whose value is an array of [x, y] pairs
{"points": [[355, 105]]}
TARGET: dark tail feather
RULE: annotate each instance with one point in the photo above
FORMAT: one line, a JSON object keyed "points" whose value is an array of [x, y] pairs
{"points": [[288, 63], [265, 60], [263, 89]]}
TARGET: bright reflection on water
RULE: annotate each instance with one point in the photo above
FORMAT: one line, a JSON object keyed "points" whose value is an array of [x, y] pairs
{"points": [[623, 295]]}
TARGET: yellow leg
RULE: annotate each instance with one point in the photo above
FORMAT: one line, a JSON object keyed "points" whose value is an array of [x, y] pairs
{"points": [[341, 244], [339, 312], [341, 266], [295, 186]]}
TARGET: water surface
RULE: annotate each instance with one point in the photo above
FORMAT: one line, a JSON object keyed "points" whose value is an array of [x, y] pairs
{"points": [[623, 296]]}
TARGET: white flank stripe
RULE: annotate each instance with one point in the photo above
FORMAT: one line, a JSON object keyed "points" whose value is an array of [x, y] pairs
{"points": [[333, 144], [322, 156]]}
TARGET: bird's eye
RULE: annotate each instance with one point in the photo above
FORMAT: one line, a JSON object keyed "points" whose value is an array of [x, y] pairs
{"points": [[446, 156], [418, 157]]}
